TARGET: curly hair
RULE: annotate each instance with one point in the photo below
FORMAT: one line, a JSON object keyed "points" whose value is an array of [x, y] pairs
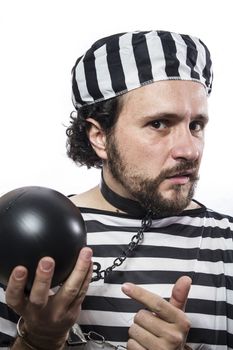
{"points": [[78, 145]]}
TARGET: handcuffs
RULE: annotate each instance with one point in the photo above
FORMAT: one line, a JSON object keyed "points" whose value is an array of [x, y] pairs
{"points": [[74, 341], [77, 340]]}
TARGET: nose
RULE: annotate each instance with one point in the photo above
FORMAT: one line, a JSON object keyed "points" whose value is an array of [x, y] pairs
{"points": [[186, 146]]}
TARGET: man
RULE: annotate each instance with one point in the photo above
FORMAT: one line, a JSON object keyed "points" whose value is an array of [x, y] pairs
{"points": [[141, 101]]}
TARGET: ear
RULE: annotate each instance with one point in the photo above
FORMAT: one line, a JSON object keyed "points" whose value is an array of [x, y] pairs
{"points": [[97, 138]]}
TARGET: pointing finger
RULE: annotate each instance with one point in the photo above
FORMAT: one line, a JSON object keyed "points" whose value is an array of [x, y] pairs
{"points": [[153, 302]]}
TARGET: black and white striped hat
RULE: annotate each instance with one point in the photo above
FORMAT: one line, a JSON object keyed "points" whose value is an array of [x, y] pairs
{"points": [[122, 62]]}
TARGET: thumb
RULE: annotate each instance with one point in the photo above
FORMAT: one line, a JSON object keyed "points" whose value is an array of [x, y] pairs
{"points": [[180, 292]]}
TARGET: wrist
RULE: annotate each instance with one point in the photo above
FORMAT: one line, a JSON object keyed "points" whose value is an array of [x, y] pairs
{"points": [[33, 341]]}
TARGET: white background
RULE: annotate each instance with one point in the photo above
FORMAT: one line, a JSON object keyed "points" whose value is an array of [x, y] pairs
{"points": [[39, 43]]}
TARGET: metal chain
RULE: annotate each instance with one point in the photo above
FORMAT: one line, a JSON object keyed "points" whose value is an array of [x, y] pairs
{"points": [[100, 340], [101, 274], [133, 244], [78, 338]]}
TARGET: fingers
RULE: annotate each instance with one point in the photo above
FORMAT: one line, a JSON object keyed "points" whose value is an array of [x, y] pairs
{"points": [[154, 325], [180, 292], [153, 302], [77, 283], [41, 286], [169, 338], [15, 297], [165, 326], [82, 293], [148, 326], [43, 313], [74, 288], [15, 292], [143, 337], [134, 345]]}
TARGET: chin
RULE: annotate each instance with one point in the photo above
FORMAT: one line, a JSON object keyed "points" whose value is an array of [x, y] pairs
{"points": [[177, 201], [176, 195]]}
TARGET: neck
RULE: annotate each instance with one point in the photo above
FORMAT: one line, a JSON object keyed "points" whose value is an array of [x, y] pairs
{"points": [[114, 184], [124, 204]]}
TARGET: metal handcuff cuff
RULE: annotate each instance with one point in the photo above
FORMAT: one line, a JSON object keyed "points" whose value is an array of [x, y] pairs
{"points": [[76, 339]]}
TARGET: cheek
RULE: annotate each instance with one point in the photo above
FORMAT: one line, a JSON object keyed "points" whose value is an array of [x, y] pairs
{"points": [[138, 148], [128, 144], [144, 156], [201, 148]]}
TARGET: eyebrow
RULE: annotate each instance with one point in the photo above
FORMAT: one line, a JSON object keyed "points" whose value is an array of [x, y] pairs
{"points": [[203, 117]]}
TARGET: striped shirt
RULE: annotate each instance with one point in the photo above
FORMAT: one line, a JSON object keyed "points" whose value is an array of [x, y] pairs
{"points": [[197, 243]]}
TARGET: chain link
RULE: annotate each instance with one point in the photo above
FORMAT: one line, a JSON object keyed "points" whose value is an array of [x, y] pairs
{"points": [[100, 340], [99, 274]]}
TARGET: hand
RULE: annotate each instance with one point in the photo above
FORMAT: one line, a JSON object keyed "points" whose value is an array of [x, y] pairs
{"points": [[48, 316], [164, 326]]}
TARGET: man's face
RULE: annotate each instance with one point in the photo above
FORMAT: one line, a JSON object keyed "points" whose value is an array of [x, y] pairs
{"points": [[154, 152]]}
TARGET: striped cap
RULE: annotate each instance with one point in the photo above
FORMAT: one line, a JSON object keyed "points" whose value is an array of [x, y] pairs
{"points": [[122, 62]]}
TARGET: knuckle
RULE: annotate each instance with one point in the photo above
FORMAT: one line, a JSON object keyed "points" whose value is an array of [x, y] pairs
{"points": [[132, 330], [131, 344], [177, 334], [174, 337], [13, 304], [177, 339], [158, 305], [37, 301], [186, 325], [139, 315], [56, 318], [71, 291], [13, 300], [82, 292]]}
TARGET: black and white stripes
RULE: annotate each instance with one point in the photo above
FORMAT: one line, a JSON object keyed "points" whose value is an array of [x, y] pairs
{"points": [[126, 61], [197, 243]]}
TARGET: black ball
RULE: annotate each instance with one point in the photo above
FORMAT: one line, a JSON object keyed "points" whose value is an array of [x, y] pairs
{"points": [[37, 222]]}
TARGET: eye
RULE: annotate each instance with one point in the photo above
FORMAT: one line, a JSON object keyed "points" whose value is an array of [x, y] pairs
{"points": [[158, 124], [196, 125]]}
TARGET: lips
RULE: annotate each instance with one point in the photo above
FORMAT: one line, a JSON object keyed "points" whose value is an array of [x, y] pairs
{"points": [[182, 177], [189, 173]]}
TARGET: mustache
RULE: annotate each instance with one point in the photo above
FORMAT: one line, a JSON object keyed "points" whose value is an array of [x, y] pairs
{"points": [[182, 168]]}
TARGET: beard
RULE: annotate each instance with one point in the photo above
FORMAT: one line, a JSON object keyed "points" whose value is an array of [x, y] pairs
{"points": [[145, 190]]}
